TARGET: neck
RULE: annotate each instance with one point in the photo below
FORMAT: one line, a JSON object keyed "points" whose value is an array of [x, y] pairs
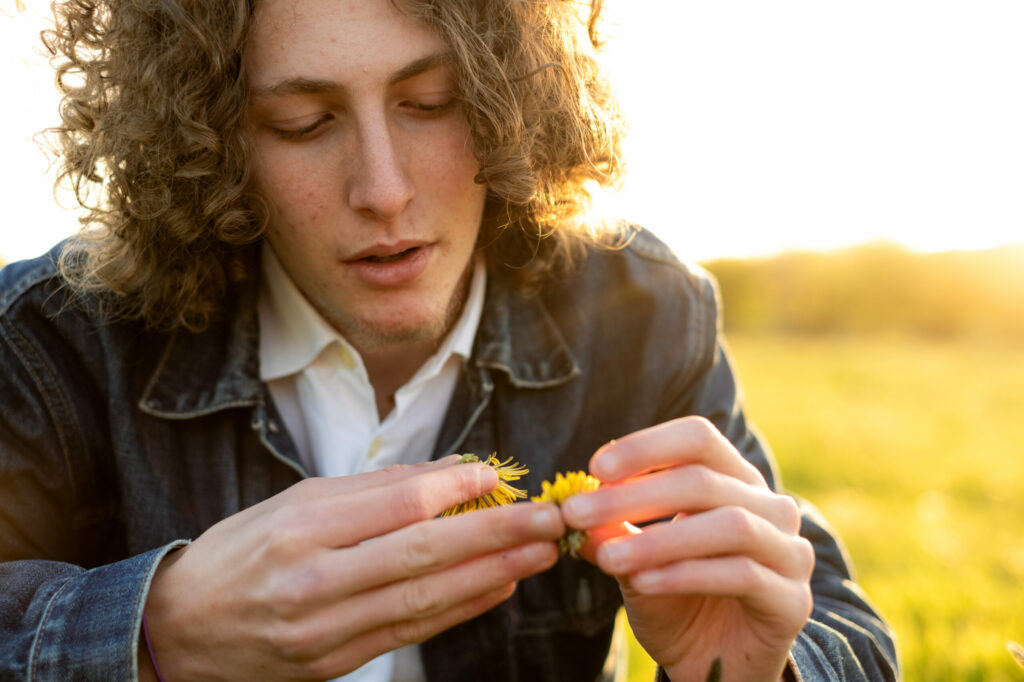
{"points": [[391, 365], [389, 369]]}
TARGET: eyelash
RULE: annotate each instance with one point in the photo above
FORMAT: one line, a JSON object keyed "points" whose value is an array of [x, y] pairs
{"points": [[432, 108], [308, 131], [302, 132]]}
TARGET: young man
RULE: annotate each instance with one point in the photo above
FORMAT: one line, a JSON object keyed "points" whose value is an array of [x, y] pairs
{"points": [[340, 235]]}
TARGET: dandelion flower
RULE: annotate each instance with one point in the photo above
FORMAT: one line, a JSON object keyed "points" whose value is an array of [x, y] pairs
{"points": [[500, 496], [564, 487]]}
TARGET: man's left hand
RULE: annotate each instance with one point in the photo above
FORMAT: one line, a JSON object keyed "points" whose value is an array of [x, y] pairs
{"points": [[723, 575]]}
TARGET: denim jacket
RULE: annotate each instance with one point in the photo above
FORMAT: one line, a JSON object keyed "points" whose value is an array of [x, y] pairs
{"points": [[119, 444]]}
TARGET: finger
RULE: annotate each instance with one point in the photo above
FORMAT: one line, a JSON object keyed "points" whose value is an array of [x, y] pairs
{"points": [[689, 440], [768, 594], [690, 489], [347, 519], [727, 531], [596, 537], [432, 594], [340, 485], [316, 488], [395, 635], [436, 544]]}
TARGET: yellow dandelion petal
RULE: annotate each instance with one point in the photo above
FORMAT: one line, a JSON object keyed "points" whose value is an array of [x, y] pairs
{"points": [[564, 487], [503, 494]]}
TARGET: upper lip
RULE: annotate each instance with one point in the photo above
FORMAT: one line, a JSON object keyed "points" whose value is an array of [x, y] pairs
{"points": [[382, 250]]}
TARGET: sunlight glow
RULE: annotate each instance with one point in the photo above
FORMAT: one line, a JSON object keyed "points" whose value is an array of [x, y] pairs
{"points": [[756, 127]]}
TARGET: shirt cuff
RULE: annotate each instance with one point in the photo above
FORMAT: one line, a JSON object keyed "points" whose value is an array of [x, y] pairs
{"points": [[90, 629]]}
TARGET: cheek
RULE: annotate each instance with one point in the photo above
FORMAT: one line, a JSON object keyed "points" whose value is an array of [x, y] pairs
{"points": [[296, 197]]}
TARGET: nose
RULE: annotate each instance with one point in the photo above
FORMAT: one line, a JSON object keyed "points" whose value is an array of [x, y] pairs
{"points": [[379, 186]]}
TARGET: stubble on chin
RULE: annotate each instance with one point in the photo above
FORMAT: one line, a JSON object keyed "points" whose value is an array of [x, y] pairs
{"points": [[374, 339]]}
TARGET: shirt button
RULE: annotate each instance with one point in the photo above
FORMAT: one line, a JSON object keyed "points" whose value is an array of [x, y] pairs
{"points": [[374, 449]]}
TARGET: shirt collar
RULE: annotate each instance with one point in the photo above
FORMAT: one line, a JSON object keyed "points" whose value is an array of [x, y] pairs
{"points": [[293, 333], [219, 367]]}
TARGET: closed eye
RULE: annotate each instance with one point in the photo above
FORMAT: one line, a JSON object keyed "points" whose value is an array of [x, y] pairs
{"points": [[429, 108], [306, 131]]}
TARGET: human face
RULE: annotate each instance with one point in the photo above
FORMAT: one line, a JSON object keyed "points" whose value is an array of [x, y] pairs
{"points": [[365, 160]]}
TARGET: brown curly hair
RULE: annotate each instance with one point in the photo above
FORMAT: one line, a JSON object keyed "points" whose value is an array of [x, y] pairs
{"points": [[153, 140]]}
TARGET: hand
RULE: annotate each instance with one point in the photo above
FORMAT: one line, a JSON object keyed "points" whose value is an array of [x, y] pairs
{"points": [[726, 576], [318, 580]]}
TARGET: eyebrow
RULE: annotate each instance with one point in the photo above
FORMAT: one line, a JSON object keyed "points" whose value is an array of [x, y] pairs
{"points": [[315, 86]]}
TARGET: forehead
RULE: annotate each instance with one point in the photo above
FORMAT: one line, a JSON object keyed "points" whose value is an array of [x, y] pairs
{"points": [[344, 40]]}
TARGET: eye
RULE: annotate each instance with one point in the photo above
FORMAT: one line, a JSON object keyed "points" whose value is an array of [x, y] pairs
{"points": [[303, 132], [428, 109]]}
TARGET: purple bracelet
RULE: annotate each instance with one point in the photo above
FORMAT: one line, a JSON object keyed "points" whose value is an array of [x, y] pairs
{"points": [[149, 648]]}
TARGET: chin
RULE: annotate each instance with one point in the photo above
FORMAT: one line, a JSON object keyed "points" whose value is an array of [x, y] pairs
{"points": [[370, 335]]}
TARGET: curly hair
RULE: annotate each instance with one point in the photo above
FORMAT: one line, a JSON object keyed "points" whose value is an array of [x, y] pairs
{"points": [[153, 140]]}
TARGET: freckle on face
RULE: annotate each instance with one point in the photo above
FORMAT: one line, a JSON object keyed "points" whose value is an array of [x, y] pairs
{"points": [[325, 193]]}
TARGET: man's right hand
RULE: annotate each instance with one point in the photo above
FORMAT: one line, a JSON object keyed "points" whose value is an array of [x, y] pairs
{"points": [[320, 579]]}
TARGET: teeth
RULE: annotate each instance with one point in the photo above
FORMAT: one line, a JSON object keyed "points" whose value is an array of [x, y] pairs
{"points": [[387, 259]]}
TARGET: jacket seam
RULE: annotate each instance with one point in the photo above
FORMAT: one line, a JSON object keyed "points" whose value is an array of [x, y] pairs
{"points": [[157, 371], [51, 408], [34, 651], [26, 282]]}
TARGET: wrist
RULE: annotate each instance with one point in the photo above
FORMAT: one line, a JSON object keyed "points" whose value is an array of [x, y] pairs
{"points": [[147, 669], [151, 636]]}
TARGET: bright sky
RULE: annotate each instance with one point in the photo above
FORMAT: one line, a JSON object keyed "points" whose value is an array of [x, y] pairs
{"points": [[756, 126]]}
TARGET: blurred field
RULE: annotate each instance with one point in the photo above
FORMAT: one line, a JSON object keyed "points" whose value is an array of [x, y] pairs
{"points": [[914, 449]]}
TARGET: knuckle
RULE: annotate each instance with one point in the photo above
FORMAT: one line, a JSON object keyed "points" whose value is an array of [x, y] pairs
{"points": [[702, 431], [805, 603], [742, 525], [320, 669], [286, 534], [788, 512], [293, 642], [410, 632], [392, 469], [701, 479], [311, 488], [751, 576], [292, 592], [806, 557], [419, 599], [419, 553], [413, 503]]}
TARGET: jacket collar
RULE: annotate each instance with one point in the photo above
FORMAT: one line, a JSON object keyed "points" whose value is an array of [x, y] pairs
{"points": [[218, 368], [519, 337]]}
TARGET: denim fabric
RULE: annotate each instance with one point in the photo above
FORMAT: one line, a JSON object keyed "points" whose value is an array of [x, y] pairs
{"points": [[118, 444]]}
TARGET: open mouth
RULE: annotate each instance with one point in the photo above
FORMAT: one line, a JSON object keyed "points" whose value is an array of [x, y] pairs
{"points": [[390, 258]]}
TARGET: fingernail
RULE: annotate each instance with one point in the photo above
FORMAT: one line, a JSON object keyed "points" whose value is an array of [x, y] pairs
{"points": [[648, 581], [614, 555], [607, 464], [546, 522], [580, 507], [488, 477], [539, 553]]}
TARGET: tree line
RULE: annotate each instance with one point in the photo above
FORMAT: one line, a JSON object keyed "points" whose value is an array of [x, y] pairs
{"points": [[876, 288]]}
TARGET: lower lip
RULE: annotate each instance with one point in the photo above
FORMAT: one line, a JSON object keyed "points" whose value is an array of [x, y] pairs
{"points": [[393, 274]]}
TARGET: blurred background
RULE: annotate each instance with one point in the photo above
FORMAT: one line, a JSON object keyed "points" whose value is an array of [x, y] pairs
{"points": [[853, 174]]}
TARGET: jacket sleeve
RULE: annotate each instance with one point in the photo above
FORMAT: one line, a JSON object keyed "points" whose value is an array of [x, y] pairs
{"points": [[68, 608], [845, 638], [59, 621]]}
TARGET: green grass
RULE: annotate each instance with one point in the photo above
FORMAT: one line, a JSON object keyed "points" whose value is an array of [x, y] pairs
{"points": [[914, 450]]}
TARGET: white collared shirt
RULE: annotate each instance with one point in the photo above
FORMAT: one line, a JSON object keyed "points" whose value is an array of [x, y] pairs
{"points": [[322, 390]]}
